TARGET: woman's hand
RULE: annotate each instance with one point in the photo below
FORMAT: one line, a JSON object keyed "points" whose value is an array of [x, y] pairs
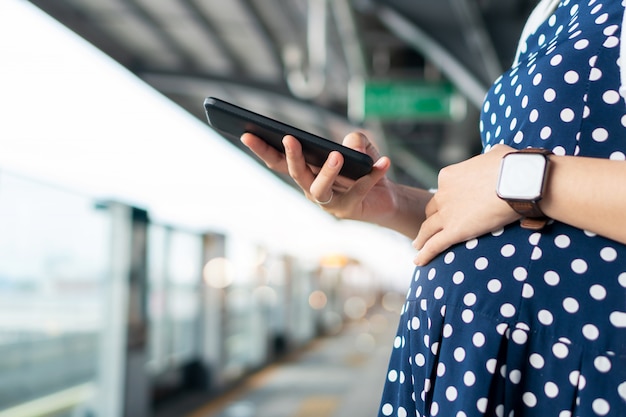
{"points": [[465, 205], [371, 198]]}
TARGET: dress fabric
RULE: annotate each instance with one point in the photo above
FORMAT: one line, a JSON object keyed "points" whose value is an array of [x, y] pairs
{"points": [[519, 323]]}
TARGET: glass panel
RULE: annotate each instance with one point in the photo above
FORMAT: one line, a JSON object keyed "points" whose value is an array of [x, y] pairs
{"points": [[54, 250]]}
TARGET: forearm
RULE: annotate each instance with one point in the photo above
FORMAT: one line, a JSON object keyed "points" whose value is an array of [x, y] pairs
{"points": [[409, 211], [588, 193]]}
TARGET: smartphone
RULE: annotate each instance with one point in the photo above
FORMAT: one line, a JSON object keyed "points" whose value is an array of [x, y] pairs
{"points": [[233, 121]]}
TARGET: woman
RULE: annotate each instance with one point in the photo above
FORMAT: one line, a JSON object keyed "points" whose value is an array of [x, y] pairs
{"points": [[500, 319]]}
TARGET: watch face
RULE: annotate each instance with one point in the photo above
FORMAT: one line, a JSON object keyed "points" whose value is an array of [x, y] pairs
{"points": [[522, 176]]}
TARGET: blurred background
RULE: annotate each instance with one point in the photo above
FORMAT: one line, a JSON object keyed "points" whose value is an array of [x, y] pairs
{"points": [[146, 260]]}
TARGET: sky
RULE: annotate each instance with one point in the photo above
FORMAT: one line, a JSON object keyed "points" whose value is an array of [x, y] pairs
{"points": [[72, 117]]}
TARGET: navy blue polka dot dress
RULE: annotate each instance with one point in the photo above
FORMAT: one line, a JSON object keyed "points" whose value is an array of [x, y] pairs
{"points": [[519, 323]]}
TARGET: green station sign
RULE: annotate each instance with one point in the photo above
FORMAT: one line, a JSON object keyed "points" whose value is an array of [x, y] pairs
{"points": [[408, 100]]}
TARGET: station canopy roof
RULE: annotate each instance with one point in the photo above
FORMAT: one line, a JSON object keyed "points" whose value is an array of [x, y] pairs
{"points": [[309, 62]]}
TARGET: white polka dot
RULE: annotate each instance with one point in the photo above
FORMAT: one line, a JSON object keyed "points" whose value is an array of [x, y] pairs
{"points": [[507, 310], [595, 74], [520, 274], [602, 364], [601, 407], [581, 44], [458, 277], [597, 292], [528, 291], [467, 316], [469, 379], [420, 359], [451, 393], [560, 350], [551, 278], [591, 332], [545, 317], [481, 405], [438, 294], [551, 390], [570, 305], [519, 137], [579, 266], [608, 254], [507, 250], [519, 336], [621, 389], [545, 132], [536, 254], [600, 134], [567, 115], [441, 367], [494, 286], [534, 115], [562, 241], [536, 361], [471, 244], [529, 399], [622, 279], [415, 323], [515, 376], [549, 95], [534, 239], [618, 319], [556, 60], [387, 409], [611, 97], [618, 156], [432, 273], [478, 339], [392, 376], [469, 299], [491, 366], [611, 42], [459, 354], [571, 77], [449, 258], [481, 263], [574, 377], [537, 78]]}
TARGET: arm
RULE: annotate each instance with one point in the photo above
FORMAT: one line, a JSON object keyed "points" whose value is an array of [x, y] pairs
{"points": [[588, 193], [580, 192]]}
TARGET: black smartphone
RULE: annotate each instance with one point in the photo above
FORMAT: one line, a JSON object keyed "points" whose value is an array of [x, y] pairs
{"points": [[233, 121]]}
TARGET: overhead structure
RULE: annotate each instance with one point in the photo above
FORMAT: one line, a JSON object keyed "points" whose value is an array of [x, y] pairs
{"points": [[295, 60]]}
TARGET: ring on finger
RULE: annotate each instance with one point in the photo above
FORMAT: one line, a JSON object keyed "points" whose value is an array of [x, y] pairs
{"points": [[323, 203]]}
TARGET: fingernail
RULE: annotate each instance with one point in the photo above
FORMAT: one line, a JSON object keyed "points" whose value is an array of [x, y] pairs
{"points": [[333, 160]]}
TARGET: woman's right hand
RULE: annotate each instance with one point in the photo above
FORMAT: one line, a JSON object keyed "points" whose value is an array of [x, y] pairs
{"points": [[372, 198]]}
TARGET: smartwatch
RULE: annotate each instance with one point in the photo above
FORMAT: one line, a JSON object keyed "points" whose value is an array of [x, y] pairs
{"points": [[522, 182]]}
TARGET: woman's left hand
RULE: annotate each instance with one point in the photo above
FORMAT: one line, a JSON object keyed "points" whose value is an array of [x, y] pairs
{"points": [[464, 206]]}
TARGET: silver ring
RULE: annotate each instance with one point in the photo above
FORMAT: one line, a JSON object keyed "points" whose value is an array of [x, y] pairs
{"points": [[323, 203]]}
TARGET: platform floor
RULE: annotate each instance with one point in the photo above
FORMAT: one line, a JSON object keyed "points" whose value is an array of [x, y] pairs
{"points": [[336, 376]]}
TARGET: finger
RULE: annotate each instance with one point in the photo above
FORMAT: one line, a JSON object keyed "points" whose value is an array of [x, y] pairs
{"points": [[296, 165], [430, 227], [274, 159], [359, 142], [433, 247], [364, 184], [322, 187]]}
